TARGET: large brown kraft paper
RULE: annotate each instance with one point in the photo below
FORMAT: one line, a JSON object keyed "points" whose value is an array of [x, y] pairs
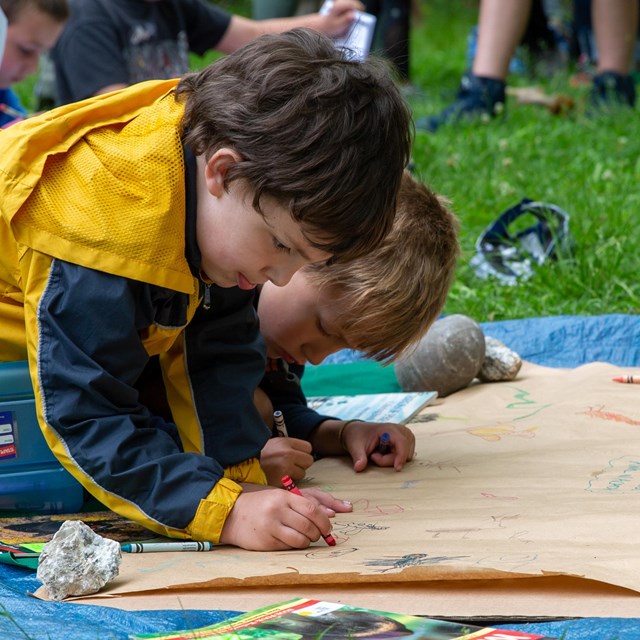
{"points": [[530, 482]]}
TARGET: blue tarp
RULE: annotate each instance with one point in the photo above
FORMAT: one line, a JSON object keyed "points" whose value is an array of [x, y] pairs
{"points": [[564, 341], [569, 341], [560, 341], [23, 617]]}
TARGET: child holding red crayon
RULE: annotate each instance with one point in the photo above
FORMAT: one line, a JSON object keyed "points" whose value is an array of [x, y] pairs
{"points": [[137, 224]]}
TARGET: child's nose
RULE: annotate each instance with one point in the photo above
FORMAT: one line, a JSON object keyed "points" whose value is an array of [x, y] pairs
{"points": [[281, 278], [282, 274]]}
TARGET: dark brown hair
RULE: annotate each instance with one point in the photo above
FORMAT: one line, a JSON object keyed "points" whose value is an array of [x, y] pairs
{"points": [[57, 9], [326, 136]]}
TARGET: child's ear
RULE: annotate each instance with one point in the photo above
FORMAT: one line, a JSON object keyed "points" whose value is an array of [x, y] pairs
{"points": [[216, 168]]}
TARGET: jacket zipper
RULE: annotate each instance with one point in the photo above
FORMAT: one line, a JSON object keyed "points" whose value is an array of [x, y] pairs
{"points": [[206, 299]]}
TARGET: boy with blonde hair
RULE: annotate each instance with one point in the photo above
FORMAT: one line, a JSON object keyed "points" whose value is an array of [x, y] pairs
{"points": [[138, 224], [380, 304], [33, 28]]}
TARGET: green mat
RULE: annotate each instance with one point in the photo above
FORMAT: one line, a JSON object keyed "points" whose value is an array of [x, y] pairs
{"points": [[349, 379]]}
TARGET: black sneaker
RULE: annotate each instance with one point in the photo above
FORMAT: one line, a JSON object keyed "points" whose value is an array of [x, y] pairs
{"points": [[611, 89], [478, 97]]}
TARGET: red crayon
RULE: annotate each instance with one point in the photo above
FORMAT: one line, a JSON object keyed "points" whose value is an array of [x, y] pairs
{"points": [[627, 379], [290, 485]]}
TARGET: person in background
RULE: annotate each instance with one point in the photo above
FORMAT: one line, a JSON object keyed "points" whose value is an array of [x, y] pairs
{"points": [[502, 23], [266, 9], [110, 44], [33, 26], [3, 32], [381, 304], [391, 36]]}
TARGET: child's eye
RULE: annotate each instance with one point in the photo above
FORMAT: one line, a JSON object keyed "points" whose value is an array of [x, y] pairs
{"points": [[321, 329], [280, 247], [27, 53]]}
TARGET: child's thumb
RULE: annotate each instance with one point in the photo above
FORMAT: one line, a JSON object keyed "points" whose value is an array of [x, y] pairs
{"points": [[360, 462]]}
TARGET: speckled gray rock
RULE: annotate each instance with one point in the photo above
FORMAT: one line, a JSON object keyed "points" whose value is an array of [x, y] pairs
{"points": [[77, 561], [447, 358], [500, 362]]}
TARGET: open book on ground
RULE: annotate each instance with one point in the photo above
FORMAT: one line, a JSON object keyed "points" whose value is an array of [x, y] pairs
{"points": [[303, 619], [373, 407]]}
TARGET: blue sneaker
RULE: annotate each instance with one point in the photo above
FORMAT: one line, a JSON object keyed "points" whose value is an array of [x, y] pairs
{"points": [[478, 97], [611, 89]]}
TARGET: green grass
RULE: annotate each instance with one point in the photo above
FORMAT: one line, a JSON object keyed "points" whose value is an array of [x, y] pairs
{"points": [[588, 167]]}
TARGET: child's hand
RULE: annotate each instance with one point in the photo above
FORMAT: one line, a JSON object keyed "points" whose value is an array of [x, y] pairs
{"points": [[269, 519], [331, 504], [285, 457], [361, 440]]}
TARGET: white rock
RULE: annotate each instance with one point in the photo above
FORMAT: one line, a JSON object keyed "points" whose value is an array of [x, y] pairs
{"points": [[77, 561], [500, 362]]}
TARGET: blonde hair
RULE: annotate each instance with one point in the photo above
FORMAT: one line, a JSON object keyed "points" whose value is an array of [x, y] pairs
{"points": [[390, 297]]}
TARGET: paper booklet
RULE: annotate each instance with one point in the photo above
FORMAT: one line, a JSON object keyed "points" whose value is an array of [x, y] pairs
{"points": [[303, 619], [398, 408], [359, 36]]}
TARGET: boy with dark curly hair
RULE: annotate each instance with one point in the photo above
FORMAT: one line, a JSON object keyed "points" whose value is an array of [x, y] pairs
{"points": [[138, 223]]}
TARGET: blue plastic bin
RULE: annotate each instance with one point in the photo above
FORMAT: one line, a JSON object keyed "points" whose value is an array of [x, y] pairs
{"points": [[31, 478]]}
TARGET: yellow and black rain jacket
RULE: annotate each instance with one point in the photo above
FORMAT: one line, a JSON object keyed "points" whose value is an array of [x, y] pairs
{"points": [[99, 272]]}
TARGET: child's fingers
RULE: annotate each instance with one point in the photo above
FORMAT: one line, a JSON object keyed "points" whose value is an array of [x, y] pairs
{"points": [[307, 521], [401, 456], [328, 501], [299, 535], [296, 465], [399, 461], [399, 452]]}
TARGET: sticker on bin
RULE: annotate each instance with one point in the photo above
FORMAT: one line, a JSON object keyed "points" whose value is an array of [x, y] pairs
{"points": [[7, 435]]}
